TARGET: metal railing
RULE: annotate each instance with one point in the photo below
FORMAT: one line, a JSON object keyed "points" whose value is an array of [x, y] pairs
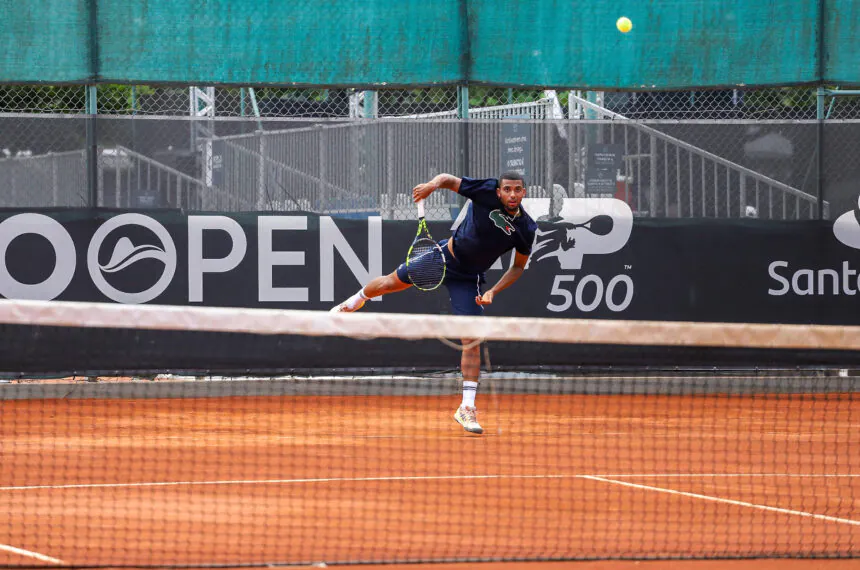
{"points": [[544, 108], [128, 179], [52, 179], [310, 169], [368, 166], [684, 180]]}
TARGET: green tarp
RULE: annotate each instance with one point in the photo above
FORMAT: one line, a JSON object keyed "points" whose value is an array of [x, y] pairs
{"points": [[376, 43]]}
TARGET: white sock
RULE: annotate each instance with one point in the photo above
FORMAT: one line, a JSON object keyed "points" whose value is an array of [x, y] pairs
{"points": [[357, 300], [470, 390]]}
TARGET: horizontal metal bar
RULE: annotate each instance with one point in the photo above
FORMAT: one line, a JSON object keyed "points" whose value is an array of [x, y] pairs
{"points": [[45, 156], [158, 165]]}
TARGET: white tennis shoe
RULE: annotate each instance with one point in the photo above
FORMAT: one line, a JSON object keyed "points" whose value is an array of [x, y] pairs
{"points": [[467, 417]]}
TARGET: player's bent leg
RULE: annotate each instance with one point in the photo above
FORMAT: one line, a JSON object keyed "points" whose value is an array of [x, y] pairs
{"points": [[382, 285], [392, 283]]}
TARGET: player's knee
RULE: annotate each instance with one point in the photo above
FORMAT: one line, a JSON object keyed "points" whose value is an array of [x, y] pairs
{"points": [[393, 282]]}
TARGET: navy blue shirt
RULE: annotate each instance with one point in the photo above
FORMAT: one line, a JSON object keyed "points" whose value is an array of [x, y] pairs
{"points": [[488, 231]]}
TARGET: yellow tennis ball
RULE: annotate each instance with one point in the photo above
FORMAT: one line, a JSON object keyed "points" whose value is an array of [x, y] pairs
{"points": [[624, 24]]}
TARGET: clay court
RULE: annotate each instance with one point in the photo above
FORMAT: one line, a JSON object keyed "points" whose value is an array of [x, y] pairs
{"points": [[310, 479]]}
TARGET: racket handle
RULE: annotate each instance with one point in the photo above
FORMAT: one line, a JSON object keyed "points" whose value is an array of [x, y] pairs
{"points": [[420, 208]]}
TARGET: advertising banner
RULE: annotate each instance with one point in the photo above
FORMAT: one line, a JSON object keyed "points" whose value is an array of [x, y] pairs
{"points": [[591, 259]]}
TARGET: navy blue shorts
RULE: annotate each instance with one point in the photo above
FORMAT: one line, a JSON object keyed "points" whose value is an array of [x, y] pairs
{"points": [[462, 286]]}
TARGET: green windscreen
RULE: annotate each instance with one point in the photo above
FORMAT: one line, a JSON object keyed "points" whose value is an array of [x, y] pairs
{"points": [[44, 40], [378, 43]]}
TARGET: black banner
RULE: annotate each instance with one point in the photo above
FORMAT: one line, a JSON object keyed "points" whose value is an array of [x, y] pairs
{"points": [[591, 260]]}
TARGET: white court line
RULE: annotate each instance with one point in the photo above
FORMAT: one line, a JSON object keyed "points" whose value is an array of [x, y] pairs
{"points": [[30, 554], [666, 475], [721, 500], [285, 481], [402, 478]]}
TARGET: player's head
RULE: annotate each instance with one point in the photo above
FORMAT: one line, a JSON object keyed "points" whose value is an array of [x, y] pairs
{"points": [[511, 190]]}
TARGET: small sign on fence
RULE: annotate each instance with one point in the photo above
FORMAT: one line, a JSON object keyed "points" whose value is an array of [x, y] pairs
{"points": [[604, 163], [515, 146]]}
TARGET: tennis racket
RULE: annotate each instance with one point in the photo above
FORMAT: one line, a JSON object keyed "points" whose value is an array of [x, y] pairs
{"points": [[425, 260]]}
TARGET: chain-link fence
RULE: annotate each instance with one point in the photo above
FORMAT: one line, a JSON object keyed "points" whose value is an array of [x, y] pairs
{"points": [[772, 103], [709, 154]]}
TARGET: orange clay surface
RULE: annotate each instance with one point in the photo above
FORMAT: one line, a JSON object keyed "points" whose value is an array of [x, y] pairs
{"points": [[393, 479]]}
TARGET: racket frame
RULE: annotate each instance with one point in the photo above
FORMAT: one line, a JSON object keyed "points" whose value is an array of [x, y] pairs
{"points": [[423, 229]]}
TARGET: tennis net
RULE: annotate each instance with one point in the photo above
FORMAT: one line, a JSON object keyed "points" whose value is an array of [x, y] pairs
{"points": [[218, 437]]}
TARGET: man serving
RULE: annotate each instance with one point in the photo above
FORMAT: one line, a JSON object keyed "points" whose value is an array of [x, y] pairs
{"points": [[494, 224]]}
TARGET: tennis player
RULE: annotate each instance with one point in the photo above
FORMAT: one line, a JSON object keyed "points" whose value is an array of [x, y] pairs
{"points": [[494, 224]]}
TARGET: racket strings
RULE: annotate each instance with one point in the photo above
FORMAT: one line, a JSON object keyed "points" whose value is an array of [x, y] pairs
{"points": [[425, 264]]}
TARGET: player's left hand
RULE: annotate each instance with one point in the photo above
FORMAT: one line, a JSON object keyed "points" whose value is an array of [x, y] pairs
{"points": [[485, 299], [421, 191]]}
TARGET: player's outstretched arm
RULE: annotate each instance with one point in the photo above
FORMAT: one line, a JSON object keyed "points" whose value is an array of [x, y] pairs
{"points": [[508, 279], [446, 181]]}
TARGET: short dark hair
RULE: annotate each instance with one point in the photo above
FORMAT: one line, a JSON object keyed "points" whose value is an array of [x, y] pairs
{"points": [[511, 175]]}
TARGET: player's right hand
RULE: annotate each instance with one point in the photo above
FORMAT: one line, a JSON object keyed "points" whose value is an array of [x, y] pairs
{"points": [[422, 191]]}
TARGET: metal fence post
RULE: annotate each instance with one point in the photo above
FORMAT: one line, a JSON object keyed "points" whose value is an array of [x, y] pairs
{"points": [[261, 170], [463, 115], [55, 180], [323, 168], [92, 105], [819, 143], [652, 197], [92, 147], [370, 105], [548, 128], [389, 171]]}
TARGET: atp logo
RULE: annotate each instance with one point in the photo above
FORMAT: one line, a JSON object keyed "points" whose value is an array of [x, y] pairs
{"points": [[502, 222], [577, 228], [584, 226]]}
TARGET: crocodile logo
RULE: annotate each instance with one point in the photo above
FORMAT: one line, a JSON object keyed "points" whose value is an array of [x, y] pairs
{"points": [[502, 222]]}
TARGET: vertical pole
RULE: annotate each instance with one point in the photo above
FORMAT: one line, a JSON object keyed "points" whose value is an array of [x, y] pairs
{"points": [[92, 146], [819, 150], [92, 104], [55, 181], [548, 175], [463, 93], [253, 95], [117, 181], [463, 116], [572, 152], [652, 155], [133, 145], [819, 103], [370, 105], [242, 102], [261, 171], [324, 205], [463, 102], [819, 127], [388, 129]]}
